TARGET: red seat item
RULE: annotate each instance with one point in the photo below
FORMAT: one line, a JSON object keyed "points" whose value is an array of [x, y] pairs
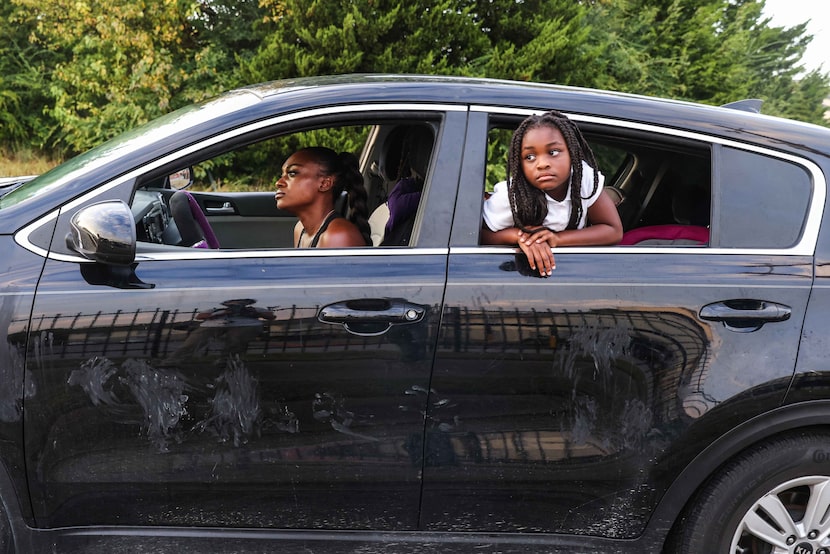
{"points": [[666, 234]]}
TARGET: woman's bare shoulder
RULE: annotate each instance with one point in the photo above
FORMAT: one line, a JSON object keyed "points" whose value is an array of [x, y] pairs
{"points": [[341, 233]]}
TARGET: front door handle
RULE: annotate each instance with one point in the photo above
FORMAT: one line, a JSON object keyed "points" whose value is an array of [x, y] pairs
{"points": [[369, 317], [225, 208], [745, 315]]}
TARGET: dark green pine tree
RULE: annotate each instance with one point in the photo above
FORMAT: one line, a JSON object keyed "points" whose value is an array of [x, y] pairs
{"points": [[533, 40], [711, 51]]}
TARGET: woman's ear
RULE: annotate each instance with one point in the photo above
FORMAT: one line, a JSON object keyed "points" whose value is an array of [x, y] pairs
{"points": [[326, 183]]}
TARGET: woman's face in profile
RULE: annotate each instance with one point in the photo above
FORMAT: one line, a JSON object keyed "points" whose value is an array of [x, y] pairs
{"points": [[300, 182]]}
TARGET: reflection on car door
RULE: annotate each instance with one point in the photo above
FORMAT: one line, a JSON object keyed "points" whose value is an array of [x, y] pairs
{"points": [[281, 389], [567, 401], [220, 396]]}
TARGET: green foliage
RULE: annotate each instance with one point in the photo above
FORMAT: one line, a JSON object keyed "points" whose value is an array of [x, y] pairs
{"points": [[119, 68], [25, 72], [358, 36], [538, 40], [257, 167], [123, 62], [710, 51], [75, 72], [498, 143]]}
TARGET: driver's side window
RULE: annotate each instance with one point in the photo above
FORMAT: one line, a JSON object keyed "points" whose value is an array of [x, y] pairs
{"points": [[227, 200], [231, 195]]}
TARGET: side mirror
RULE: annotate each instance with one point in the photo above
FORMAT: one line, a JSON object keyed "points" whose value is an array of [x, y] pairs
{"points": [[181, 179], [104, 232]]}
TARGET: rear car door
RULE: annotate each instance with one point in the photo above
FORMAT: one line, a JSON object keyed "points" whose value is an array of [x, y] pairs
{"points": [[248, 386], [568, 404]]}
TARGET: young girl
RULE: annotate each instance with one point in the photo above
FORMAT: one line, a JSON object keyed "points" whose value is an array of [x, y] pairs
{"points": [[537, 208], [311, 180]]}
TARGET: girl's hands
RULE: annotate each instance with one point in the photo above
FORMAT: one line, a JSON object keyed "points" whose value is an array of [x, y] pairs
{"points": [[537, 247]]}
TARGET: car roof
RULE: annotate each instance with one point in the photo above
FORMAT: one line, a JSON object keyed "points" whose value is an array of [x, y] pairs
{"points": [[732, 122]]}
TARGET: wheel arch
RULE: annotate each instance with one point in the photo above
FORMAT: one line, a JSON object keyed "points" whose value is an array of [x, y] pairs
{"points": [[782, 420], [12, 506]]}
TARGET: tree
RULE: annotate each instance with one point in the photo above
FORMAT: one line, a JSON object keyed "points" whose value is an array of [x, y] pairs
{"points": [[773, 55], [538, 40], [532, 40], [711, 51], [75, 72], [25, 74], [313, 37], [124, 62]]}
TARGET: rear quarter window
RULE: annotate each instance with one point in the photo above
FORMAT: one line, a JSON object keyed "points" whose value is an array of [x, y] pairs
{"points": [[763, 200]]}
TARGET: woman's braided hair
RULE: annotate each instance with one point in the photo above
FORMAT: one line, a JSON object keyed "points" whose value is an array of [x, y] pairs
{"points": [[528, 203], [347, 177]]}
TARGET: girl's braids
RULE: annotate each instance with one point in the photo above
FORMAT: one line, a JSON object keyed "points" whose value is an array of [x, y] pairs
{"points": [[347, 177], [528, 203]]}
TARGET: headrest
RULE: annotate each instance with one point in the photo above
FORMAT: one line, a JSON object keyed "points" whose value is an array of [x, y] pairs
{"points": [[406, 151]]}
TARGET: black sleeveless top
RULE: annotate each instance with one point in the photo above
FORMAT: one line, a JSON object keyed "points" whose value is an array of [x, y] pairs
{"points": [[329, 218]]}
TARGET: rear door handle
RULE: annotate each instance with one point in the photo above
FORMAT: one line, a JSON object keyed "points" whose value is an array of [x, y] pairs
{"points": [[371, 316], [745, 315]]}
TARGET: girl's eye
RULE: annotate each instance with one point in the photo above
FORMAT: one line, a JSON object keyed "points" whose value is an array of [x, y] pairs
{"points": [[291, 174], [554, 152], [530, 157]]}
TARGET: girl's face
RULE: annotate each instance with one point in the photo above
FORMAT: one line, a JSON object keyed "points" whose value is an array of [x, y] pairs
{"points": [[546, 163], [300, 183]]}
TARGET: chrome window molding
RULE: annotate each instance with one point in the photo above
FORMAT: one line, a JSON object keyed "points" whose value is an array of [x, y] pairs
{"points": [[181, 253], [806, 246], [209, 287], [22, 236], [583, 284], [633, 249]]}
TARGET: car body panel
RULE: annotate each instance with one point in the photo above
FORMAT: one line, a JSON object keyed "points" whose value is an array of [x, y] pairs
{"points": [[258, 397], [812, 376], [580, 398], [21, 273], [227, 388], [190, 401], [579, 393]]}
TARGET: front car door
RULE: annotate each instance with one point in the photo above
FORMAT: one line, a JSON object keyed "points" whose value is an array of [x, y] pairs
{"points": [[245, 386]]}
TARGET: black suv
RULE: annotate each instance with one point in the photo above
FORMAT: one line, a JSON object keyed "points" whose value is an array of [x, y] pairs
{"points": [[668, 394]]}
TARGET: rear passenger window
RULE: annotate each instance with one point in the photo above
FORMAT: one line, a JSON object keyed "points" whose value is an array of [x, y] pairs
{"points": [[763, 201], [680, 192], [662, 190]]}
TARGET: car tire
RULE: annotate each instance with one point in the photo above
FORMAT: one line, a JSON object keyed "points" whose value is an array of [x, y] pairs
{"points": [[775, 497]]}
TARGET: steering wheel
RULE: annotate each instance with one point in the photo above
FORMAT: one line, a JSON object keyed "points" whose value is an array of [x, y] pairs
{"points": [[193, 226]]}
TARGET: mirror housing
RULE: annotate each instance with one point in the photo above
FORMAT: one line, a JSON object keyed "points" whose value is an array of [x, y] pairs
{"points": [[104, 232]]}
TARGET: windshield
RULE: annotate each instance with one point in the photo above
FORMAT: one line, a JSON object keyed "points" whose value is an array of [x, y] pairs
{"points": [[126, 143]]}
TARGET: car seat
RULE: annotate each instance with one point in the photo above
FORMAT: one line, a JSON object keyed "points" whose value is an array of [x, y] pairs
{"points": [[403, 165], [690, 215]]}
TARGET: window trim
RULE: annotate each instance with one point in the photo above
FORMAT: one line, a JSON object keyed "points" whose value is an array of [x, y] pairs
{"points": [[806, 246], [22, 237]]}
